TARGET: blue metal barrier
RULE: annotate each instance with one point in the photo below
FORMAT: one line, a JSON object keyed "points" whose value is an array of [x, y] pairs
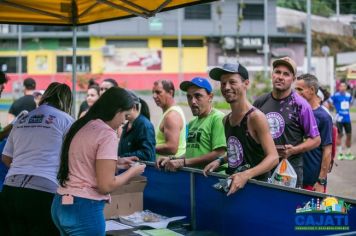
{"points": [[258, 209], [167, 193]]}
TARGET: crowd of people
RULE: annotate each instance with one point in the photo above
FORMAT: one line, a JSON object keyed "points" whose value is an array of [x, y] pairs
{"points": [[65, 174]]}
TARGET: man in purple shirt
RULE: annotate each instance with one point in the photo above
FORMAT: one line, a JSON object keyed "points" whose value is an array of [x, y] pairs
{"points": [[291, 119]]}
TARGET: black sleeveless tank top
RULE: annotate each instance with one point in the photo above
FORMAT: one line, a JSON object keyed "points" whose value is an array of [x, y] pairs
{"points": [[242, 149]]}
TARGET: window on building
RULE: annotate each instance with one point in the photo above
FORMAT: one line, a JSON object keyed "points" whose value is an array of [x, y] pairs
{"points": [[128, 43], [8, 44], [68, 43], [4, 29], [64, 63], [198, 12], [51, 28], [9, 64], [253, 12], [187, 43]]}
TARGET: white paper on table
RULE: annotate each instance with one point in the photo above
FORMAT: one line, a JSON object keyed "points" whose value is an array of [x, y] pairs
{"points": [[114, 225], [145, 233], [156, 225]]}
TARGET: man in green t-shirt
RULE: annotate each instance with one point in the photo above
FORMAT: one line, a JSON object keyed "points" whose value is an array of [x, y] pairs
{"points": [[206, 138]]}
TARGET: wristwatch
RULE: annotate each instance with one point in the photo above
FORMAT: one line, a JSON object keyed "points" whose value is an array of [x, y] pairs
{"points": [[322, 181]]}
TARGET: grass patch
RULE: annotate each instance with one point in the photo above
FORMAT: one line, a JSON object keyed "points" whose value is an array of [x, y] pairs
{"points": [[217, 105], [144, 92], [6, 100], [221, 105], [184, 104]]}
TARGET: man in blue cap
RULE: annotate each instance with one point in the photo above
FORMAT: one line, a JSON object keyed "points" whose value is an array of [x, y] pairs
{"points": [[206, 139]]}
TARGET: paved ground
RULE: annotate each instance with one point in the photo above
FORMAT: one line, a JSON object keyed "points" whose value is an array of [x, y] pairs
{"points": [[342, 179]]}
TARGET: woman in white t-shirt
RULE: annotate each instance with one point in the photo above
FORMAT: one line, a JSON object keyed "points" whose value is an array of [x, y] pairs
{"points": [[32, 152], [88, 164]]}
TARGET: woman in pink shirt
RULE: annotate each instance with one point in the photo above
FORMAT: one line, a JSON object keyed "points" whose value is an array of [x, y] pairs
{"points": [[88, 164]]}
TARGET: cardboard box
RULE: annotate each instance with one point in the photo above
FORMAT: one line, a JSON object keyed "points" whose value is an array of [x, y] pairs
{"points": [[127, 199]]}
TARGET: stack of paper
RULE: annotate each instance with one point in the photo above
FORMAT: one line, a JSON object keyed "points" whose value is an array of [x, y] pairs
{"points": [[157, 232], [148, 218], [114, 225]]}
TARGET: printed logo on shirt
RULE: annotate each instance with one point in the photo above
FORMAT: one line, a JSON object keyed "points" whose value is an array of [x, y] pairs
{"points": [[276, 124], [193, 138], [345, 105], [235, 154], [50, 119], [23, 119], [36, 119]]}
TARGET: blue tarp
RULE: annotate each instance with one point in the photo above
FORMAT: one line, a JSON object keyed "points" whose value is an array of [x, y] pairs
{"points": [[257, 209]]}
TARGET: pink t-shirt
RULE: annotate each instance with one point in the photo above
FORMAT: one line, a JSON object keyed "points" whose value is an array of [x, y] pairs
{"points": [[96, 140]]}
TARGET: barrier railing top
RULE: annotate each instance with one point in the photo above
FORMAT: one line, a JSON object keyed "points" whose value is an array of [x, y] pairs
{"points": [[266, 184]]}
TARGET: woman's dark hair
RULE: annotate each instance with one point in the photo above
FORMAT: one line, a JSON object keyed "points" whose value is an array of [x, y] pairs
{"points": [[96, 88], [145, 111], [114, 100], [92, 82], [3, 78], [325, 92], [58, 95], [112, 81]]}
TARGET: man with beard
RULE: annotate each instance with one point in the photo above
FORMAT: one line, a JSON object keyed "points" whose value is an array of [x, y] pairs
{"points": [[292, 123], [248, 139], [206, 139]]}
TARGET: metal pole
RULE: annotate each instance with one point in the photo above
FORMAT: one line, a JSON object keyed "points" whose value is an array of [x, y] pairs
{"points": [[74, 70], [328, 76], [238, 25], [326, 51], [192, 201], [19, 68], [19, 62], [309, 40], [337, 10], [180, 49], [265, 45]]}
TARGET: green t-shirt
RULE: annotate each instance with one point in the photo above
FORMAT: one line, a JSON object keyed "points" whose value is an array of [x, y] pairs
{"points": [[205, 134]]}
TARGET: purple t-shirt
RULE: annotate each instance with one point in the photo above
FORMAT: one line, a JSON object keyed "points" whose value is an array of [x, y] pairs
{"points": [[290, 119]]}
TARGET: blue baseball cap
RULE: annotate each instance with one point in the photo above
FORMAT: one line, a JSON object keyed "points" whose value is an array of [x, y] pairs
{"points": [[198, 82], [228, 68]]}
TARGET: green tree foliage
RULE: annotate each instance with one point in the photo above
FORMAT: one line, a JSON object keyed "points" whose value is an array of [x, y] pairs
{"points": [[258, 86], [321, 7]]}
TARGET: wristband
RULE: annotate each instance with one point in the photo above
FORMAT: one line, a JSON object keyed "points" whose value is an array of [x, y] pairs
{"points": [[221, 160], [322, 181], [178, 158]]}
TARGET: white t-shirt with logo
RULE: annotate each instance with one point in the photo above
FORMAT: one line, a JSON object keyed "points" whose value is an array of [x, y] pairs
{"points": [[35, 142]]}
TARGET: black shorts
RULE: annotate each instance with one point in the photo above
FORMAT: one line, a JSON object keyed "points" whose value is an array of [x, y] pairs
{"points": [[346, 126]]}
